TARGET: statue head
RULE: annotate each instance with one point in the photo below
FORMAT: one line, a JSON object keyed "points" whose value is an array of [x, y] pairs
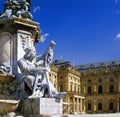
{"points": [[30, 52]]}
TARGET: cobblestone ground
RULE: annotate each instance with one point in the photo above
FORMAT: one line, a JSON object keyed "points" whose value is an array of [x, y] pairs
{"points": [[97, 115]]}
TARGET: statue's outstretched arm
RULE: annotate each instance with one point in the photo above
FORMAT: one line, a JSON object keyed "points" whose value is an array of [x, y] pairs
{"points": [[30, 68]]}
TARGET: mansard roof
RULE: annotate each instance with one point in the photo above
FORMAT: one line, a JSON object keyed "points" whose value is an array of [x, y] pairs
{"points": [[61, 63], [84, 67]]}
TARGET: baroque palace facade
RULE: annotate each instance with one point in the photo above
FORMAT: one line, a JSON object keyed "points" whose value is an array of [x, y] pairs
{"points": [[91, 88]]}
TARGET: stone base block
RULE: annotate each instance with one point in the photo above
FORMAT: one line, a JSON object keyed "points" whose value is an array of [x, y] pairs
{"points": [[42, 106]]}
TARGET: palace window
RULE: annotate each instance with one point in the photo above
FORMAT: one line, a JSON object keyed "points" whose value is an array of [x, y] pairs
{"points": [[55, 85], [78, 89], [111, 89], [79, 100], [111, 107], [71, 87], [75, 88], [89, 81], [111, 79], [99, 106], [100, 80], [61, 77], [100, 89], [89, 106], [89, 90], [61, 88], [71, 100]]}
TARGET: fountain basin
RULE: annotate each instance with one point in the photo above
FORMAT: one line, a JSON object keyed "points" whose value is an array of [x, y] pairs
{"points": [[7, 106]]}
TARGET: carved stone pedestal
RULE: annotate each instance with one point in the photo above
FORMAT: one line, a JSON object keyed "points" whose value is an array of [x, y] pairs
{"points": [[42, 106], [15, 35]]}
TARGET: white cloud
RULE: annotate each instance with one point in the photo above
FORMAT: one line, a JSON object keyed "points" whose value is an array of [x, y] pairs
{"points": [[36, 9], [43, 37], [118, 36], [117, 12], [116, 1], [117, 6]]}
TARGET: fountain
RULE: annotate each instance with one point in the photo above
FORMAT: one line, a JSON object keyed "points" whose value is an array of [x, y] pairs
{"points": [[17, 32], [24, 77]]}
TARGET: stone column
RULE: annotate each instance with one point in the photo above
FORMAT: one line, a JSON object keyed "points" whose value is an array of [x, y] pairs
{"points": [[85, 89], [81, 105], [118, 104], [73, 104], [78, 105], [95, 88], [94, 106]]}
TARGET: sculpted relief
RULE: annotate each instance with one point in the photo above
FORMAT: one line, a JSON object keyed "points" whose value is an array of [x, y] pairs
{"points": [[24, 38]]}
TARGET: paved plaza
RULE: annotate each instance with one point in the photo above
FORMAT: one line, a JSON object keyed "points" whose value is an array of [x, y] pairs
{"points": [[82, 115], [97, 115]]}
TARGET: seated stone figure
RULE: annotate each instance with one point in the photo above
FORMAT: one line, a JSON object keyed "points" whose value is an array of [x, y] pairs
{"points": [[35, 70]]}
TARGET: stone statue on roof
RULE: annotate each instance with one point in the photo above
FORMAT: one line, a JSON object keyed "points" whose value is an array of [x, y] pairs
{"points": [[17, 8]]}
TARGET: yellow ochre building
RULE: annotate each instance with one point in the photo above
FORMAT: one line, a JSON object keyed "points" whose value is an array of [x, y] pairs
{"points": [[91, 88]]}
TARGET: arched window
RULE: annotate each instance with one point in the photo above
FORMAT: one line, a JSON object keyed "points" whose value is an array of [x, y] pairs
{"points": [[75, 88], [61, 88], [89, 90], [89, 106], [111, 106], [99, 106], [111, 89], [71, 99], [100, 89], [71, 87], [78, 89]]}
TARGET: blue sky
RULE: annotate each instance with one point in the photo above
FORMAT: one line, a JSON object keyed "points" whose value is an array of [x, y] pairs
{"points": [[85, 31]]}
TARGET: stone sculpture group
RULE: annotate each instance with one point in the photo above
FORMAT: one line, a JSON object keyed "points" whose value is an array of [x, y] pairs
{"points": [[16, 8], [34, 69]]}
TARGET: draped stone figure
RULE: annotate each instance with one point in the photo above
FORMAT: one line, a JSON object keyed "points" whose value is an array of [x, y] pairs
{"points": [[35, 70]]}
